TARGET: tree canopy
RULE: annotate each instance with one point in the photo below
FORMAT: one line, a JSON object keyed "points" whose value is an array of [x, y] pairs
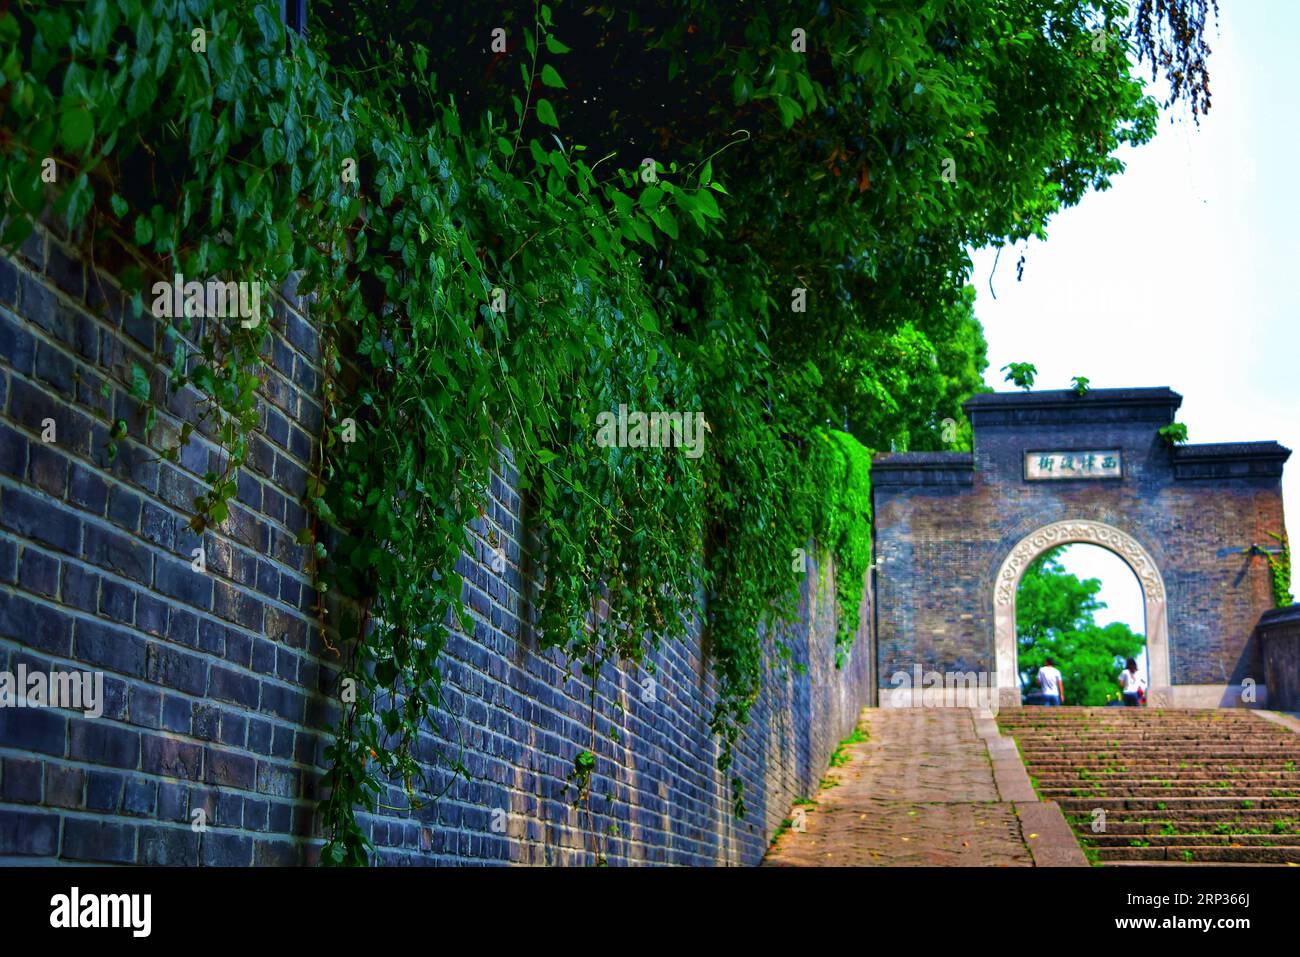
{"points": [[864, 148]]}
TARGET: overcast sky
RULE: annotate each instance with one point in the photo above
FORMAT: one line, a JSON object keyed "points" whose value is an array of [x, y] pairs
{"points": [[1186, 273]]}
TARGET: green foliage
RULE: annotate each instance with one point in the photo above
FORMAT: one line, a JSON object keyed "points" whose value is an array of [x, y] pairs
{"points": [[1020, 374], [1055, 618], [840, 756], [1080, 385], [846, 534], [412, 195], [1175, 433], [1279, 567]]}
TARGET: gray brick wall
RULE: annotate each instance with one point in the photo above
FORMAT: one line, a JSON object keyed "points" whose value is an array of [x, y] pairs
{"points": [[217, 686]]}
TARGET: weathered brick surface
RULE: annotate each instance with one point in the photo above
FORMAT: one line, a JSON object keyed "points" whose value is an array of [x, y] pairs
{"points": [[945, 522], [217, 685]]}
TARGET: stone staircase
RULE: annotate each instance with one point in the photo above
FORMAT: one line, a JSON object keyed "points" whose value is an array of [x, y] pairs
{"points": [[1177, 786]]}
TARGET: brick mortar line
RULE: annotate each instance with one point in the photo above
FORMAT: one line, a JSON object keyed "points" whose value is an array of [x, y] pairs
{"points": [[99, 370], [138, 587], [154, 549], [134, 352], [224, 707], [673, 729], [93, 275], [102, 523], [209, 658]]}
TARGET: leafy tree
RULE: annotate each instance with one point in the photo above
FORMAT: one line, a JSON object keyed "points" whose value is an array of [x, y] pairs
{"points": [[860, 166], [1055, 618]]}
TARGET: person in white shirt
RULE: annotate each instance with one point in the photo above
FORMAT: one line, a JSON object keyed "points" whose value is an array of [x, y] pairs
{"points": [[1132, 684], [1051, 683]]}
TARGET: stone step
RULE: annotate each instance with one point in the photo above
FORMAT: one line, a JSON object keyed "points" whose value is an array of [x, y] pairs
{"points": [[1214, 864], [1156, 737], [1164, 792], [1204, 855], [1167, 753], [1191, 840], [1248, 818], [1130, 828], [1177, 787], [1101, 775], [1131, 719], [1156, 743], [1081, 805], [1209, 734], [1096, 767]]}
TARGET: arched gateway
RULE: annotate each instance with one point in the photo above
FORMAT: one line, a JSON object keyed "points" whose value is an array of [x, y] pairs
{"points": [[1093, 533], [956, 530]]}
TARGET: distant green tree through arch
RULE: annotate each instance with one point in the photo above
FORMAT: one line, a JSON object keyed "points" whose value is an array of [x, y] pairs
{"points": [[1056, 618]]}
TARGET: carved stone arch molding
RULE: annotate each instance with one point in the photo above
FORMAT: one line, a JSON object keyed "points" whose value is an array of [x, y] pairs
{"points": [[1092, 533]]}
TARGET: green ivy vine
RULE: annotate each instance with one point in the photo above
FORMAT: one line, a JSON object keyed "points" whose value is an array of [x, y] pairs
{"points": [[479, 299], [1279, 567]]}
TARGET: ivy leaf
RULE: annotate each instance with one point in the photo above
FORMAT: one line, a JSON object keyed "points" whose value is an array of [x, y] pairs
{"points": [[139, 383], [664, 220], [143, 230], [551, 78], [555, 46], [141, 95], [76, 129], [204, 380], [268, 23], [546, 113]]}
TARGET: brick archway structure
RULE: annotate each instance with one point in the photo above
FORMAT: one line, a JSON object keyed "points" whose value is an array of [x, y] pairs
{"points": [[954, 531], [1093, 533]]}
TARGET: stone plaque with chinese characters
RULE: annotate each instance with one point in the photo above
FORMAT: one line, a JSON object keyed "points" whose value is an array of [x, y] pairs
{"points": [[1102, 464]]}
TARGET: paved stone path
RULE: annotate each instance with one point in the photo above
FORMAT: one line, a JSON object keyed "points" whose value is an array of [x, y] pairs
{"points": [[931, 786]]}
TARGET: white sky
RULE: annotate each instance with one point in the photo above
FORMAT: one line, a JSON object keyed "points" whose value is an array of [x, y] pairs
{"points": [[1185, 273]]}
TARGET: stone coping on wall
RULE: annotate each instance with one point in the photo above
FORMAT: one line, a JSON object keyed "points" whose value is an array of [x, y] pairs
{"points": [[1230, 460], [1274, 617], [1059, 406], [923, 468]]}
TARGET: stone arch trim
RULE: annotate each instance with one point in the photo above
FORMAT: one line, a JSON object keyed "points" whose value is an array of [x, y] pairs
{"points": [[1092, 533]]}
